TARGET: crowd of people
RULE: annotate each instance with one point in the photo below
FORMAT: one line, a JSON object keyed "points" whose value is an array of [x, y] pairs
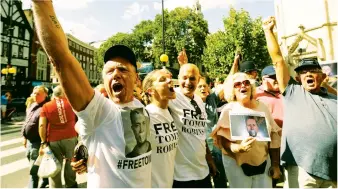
{"points": [[151, 134]]}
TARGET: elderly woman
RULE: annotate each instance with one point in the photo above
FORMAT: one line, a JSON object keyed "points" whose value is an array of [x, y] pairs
{"points": [[247, 163]]}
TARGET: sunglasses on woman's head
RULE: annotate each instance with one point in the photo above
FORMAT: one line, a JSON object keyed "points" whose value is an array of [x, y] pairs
{"points": [[239, 83]]}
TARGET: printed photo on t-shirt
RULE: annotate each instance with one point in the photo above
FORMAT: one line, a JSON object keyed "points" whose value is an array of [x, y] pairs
{"points": [[136, 132], [243, 125]]}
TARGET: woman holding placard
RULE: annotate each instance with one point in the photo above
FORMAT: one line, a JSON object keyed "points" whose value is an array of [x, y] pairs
{"points": [[246, 160]]}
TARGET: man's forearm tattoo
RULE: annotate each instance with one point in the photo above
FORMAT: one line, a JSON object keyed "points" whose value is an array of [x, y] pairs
{"points": [[55, 21]]}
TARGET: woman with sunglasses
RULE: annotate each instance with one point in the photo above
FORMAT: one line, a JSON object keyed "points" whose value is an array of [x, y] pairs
{"points": [[247, 163], [158, 89]]}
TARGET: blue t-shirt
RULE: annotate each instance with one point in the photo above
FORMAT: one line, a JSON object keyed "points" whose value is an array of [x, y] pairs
{"points": [[4, 100], [309, 138]]}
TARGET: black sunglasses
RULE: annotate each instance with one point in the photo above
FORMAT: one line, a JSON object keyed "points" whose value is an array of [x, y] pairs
{"points": [[197, 108], [272, 77]]}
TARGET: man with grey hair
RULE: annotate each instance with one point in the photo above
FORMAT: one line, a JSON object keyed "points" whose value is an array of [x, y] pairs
{"points": [[56, 128], [309, 139], [30, 134], [101, 124]]}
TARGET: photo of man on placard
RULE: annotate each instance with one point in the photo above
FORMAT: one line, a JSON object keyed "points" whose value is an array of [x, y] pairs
{"points": [[330, 69], [244, 125], [251, 126]]}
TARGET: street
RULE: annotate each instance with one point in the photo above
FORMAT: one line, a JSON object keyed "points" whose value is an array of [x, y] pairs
{"points": [[14, 164]]}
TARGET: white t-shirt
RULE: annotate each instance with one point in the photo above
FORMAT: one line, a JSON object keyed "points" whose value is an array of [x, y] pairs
{"points": [[164, 140], [106, 130], [190, 162]]}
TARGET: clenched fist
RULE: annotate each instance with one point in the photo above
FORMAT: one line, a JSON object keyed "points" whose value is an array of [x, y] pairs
{"points": [[182, 57], [269, 23]]}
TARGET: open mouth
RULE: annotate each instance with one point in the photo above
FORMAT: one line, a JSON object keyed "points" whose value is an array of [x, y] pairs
{"points": [[310, 82], [117, 87], [243, 91]]}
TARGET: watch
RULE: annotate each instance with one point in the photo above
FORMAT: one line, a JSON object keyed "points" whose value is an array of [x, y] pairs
{"points": [[43, 142]]}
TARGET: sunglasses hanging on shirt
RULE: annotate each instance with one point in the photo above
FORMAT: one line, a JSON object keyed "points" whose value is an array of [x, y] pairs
{"points": [[197, 108]]}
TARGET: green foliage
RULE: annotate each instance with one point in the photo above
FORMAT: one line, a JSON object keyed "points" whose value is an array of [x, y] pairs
{"points": [[241, 33], [184, 28]]}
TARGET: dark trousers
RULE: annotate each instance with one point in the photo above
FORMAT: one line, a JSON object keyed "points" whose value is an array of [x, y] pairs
{"points": [[32, 154], [204, 183]]}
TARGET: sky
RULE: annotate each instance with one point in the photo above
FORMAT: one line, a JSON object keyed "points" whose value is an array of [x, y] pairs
{"points": [[96, 20]]}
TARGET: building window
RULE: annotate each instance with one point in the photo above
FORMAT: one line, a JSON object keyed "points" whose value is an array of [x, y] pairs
{"points": [[21, 33], [20, 51], [5, 29], [84, 66], [4, 50], [77, 46]]}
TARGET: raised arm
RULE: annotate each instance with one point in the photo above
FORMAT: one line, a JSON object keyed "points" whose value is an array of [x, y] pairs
{"points": [[235, 65], [182, 58], [72, 78], [282, 71]]}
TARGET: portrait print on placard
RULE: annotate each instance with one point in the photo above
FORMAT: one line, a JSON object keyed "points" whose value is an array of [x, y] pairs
{"points": [[243, 125], [330, 69], [136, 132]]}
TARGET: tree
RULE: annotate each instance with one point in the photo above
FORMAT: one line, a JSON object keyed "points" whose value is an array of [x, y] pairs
{"points": [[119, 38], [241, 33], [140, 41], [184, 28], [143, 33]]}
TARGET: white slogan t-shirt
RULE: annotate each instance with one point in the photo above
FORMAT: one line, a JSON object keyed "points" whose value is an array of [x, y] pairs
{"points": [[190, 162], [107, 131], [164, 140]]}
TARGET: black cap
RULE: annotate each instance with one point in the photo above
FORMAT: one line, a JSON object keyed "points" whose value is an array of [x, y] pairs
{"points": [[247, 66], [308, 62], [120, 51], [268, 70]]}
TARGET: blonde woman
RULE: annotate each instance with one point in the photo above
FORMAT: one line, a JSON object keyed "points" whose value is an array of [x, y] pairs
{"points": [[158, 89], [247, 162], [29, 101]]}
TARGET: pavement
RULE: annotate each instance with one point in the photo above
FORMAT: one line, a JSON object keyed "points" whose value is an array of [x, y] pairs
{"points": [[14, 164]]}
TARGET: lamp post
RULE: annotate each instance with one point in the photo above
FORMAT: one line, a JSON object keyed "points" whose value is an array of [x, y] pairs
{"points": [[10, 33], [163, 43], [163, 58], [7, 71]]}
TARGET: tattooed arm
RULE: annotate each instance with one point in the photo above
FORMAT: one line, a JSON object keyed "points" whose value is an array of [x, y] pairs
{"points": [[72, 78]]}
